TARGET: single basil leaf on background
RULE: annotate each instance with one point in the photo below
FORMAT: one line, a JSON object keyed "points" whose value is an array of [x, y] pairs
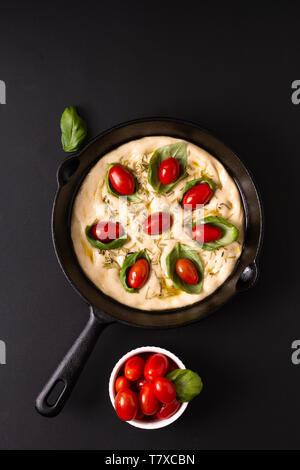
{"points": [[73, 130], [128, 262], [117, 243], [184, 251], [230, 232], [192, 183], [178, 151], [188, 384], [131, 197]]}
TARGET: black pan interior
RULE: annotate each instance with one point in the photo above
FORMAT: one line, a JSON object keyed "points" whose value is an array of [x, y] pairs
{"points": [[70, 176]]}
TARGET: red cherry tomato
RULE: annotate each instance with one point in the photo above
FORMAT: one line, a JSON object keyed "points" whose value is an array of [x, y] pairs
{"points": [[205, 233], [157, 223], [164, 390], [121, 383], [149, 404], [138, 274], [197, 195], [126, 404], [167, 410], [134, 368], [139, 383], [107, 231], [156, 366], [187, 271], [168, 171], [121, 180]]}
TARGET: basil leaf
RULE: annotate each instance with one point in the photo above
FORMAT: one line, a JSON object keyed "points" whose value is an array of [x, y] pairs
{"points": [[178, 151], [73, 130], [131, 197], [193, 183], [184, 251], [230, 232], [188, 384], [117, 243], [129, 261]]}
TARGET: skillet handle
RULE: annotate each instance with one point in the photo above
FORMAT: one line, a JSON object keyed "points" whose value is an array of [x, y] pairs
{"points": [[57, 390], [248, 278]]}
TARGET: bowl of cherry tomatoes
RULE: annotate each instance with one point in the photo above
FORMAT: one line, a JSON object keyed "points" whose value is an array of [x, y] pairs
{"points": [[139, 390]]}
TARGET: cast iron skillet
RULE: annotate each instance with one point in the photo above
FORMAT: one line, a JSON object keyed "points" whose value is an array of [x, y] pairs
{"points": [[103, 309]]}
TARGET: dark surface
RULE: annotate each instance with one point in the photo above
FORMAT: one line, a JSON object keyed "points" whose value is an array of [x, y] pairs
{"points": [[228, 68]]}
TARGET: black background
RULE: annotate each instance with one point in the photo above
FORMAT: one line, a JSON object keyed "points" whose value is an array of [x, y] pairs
{"points": [[228, 67]]}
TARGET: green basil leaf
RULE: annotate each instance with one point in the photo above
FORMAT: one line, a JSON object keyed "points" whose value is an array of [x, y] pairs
{"points": [[131, 197], [174, 374], [230, 232], [117, 243], [129, 261], [184, 251], [193, 183], [188, 384], [178, 151], [73, 130]]}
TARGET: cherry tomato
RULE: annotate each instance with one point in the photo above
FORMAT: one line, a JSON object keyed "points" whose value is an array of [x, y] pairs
{"points": [[168, 171], [197, 195], [156, 366], [167, 410], [139, 383], [138, 274], [134, 368], [121, 383], [121, 180], [205, 233], [164, 390], [149, 404], [107, 231], [126, 404], [157, 223], [187, 271]]}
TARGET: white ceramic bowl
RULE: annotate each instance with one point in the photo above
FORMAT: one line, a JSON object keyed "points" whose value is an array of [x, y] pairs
{"points": [[145, 424]]}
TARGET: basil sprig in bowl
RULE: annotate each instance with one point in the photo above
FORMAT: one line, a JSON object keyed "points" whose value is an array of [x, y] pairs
{"points": [[229, 231], [178, 151], [184, 251], [130, 197], [112, 245], [129, 261], [188, 384]]}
